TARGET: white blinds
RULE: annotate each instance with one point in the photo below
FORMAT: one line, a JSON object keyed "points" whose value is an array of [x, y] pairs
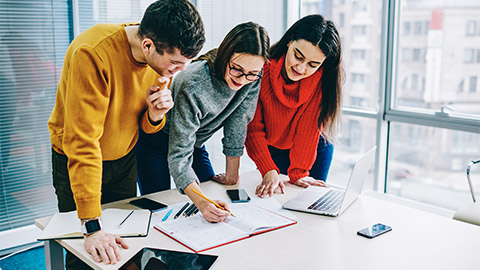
{"points": [[34, 36], [221, 16], [110, 11]]}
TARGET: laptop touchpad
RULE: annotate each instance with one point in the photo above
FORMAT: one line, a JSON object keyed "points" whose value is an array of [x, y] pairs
{"points": [[309, 196]]}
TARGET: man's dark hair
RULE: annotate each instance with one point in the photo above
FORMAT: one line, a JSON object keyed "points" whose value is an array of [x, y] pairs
{"points": [[173, 24]]}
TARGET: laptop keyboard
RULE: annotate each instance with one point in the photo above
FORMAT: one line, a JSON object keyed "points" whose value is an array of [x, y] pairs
{"points": [[330, 202]]}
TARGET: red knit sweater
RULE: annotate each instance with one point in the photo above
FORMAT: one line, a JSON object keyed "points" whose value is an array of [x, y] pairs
{"points": [[286, 118]]}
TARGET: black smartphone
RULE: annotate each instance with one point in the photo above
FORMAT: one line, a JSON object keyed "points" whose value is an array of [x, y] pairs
{"points": [[149, 204], [238, 195], [375, 230]]}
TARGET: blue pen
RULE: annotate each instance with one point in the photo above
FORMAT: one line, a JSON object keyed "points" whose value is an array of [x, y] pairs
{"points": [[167, 215]]}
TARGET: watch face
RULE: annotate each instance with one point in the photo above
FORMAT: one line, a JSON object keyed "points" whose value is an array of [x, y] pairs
{"points": [[92, 226]]}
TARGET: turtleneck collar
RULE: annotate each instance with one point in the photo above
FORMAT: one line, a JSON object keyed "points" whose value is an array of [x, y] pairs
{"points": [[295, 94]]}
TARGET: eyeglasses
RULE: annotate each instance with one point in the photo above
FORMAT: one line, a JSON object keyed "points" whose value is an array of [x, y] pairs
{"points": [[238, 73]]}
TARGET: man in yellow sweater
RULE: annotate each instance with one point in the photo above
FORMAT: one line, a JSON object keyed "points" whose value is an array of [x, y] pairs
{"points": [[114, 79]]}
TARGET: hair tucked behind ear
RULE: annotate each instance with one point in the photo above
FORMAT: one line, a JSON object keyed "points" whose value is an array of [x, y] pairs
{"points": [[249, 38], [322, 33]]}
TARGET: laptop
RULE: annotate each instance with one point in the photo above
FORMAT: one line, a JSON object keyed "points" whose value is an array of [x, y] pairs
{"points": [[331, 201]]}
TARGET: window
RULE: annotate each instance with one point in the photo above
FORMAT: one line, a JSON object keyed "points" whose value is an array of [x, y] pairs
{"points": [[432, 129], [341, 20], [460, 86], [478, 55], [406, 28], [359, 30], [470, 28], [416, 55], [473, 84], [428, 164], [468, 56], [414, 82], [417, 28], [31, 58]]}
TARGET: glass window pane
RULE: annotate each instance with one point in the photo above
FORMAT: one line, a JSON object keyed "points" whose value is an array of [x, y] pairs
{"points": [[428, 164], [357, 136], [443, 49], [360, 34]]}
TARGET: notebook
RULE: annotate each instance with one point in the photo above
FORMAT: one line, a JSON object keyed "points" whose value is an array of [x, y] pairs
{"points": [[67, 225], [199, 235], [330, 201]]}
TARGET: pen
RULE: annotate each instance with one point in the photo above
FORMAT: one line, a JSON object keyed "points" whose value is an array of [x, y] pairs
{"points": [[181, 210], [196, 211], [216, 204], [167, 215], [189, 209], [125, 219]]}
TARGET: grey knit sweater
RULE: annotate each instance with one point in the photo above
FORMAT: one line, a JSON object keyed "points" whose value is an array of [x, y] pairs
{"points": [[203, 105]]}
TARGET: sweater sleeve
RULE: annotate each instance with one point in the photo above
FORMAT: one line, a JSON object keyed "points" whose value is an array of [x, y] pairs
{"points": [[305, 142], [256, 143], [235, 126], [184, 123], [87, 101]]}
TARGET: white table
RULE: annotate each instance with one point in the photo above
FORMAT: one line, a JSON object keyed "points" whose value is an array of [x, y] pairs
{"points": [[419, 240]]}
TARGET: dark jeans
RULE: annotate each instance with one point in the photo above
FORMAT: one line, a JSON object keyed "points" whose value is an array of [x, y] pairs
{"points": [[320, 167], [118, 182], [152, 160]]}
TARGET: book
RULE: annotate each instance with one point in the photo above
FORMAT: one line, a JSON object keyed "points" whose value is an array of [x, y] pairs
{"points": [[67, 225], [199, 235]]}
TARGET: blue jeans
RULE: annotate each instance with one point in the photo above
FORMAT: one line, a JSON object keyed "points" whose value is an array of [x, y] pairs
{"points": [[152, 162], [320, 167]]}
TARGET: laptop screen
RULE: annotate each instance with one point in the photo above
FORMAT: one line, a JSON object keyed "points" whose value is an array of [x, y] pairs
{"points": [[159, 259]]}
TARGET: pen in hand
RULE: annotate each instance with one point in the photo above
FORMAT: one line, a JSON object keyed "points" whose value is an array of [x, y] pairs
{"points": [[125, 219], [214, 203]]}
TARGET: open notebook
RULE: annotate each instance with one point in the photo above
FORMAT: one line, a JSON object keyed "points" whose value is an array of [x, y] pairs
{"points": [[199, 235], [67, 225]]}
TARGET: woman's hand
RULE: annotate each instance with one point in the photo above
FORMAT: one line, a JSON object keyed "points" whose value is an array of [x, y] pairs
{"points": [[212, 213], [271, 180], [309, 181]]}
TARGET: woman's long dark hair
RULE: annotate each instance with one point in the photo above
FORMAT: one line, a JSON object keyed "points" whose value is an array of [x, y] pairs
{"points": [[249, 38], [322, 33]]}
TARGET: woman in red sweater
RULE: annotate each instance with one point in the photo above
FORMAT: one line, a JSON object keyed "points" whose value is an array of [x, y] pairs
{"points": [[298, 106]]}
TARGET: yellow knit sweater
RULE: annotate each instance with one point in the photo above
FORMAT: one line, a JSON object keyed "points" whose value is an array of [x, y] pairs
{"points": [[100, 101]]}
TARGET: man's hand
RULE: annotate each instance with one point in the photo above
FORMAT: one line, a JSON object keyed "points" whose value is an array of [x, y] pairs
{"points": [[271, 180], [309, 181], [103, 247], [159, 101]]}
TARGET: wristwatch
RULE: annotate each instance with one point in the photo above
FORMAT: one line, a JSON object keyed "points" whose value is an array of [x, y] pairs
{"points": [[92, 226]]}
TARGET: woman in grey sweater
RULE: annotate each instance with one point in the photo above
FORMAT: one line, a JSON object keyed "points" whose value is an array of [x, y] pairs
{"points": [[219, 90]]}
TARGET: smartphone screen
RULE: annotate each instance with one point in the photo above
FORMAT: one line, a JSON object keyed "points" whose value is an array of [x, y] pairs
{"points": [[374, 230], [238, 195], [149, 204]]}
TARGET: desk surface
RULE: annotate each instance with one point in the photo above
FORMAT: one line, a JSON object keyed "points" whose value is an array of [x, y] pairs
{"points": [[419, 240]]}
